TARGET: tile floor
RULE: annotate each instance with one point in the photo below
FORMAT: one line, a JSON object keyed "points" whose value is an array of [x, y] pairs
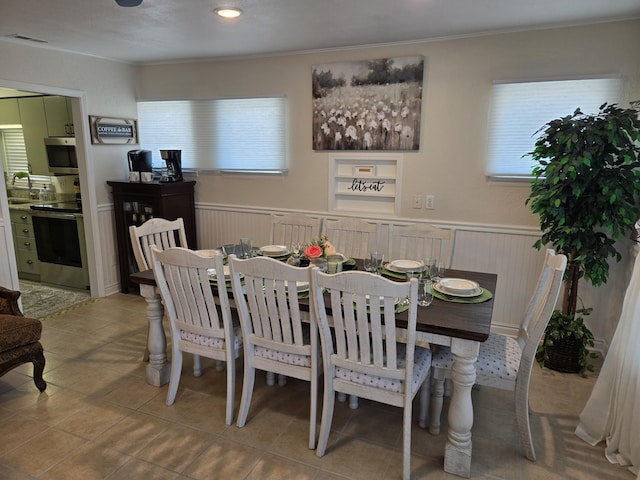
{"points": [[98, 419]]}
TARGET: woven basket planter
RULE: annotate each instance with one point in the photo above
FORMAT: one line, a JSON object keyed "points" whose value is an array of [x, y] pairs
{"points": [[564, 355]]}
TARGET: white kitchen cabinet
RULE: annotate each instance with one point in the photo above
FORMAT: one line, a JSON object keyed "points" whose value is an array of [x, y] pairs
{"points": [[9, 113], [34, 129], [25, 245], [59, 118]]}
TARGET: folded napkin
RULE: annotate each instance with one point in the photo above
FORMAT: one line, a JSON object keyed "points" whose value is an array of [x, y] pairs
{"points": [[349, 264], [486, 295]]}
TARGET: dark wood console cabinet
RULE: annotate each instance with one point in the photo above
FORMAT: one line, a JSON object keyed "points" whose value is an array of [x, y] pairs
{"points": [[135, 203]]}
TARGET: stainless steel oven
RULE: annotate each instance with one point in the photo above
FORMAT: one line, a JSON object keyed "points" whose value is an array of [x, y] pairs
{"points": [[60, 243]]}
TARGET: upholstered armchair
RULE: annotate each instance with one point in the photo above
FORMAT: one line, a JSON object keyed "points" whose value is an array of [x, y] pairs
{"points": [[19, 338]]}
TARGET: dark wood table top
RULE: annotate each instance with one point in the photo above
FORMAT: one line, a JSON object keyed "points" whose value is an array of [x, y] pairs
{"points": [[471, 321]]}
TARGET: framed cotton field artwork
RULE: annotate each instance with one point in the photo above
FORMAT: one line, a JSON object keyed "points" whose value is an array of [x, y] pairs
{"points": [[368, 105]]}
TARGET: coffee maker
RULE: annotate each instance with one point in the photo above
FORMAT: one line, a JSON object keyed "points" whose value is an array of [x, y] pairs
{"points": [[174, 165], [140, 166]]}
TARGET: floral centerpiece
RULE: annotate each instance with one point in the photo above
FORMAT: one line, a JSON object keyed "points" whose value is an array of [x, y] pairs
{"points": [[319, 247]]}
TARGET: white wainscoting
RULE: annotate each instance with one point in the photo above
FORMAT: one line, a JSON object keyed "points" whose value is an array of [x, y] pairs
{"points": [[505, 251]]}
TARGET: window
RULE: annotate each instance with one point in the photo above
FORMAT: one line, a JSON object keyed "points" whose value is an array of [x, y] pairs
{"points": [[519, 110], [233, 135], [14, 154]]}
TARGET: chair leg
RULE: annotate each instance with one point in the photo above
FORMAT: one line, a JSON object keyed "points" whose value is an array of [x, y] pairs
{"points": [[231, 388], [425, 394], [522, 417], [38, 369], [328, 402], [174, 379], [271, 379], [436, 406], [313, 414], [406, 441], [353, 402], [247, 392], [197, 365], [282, 380]]}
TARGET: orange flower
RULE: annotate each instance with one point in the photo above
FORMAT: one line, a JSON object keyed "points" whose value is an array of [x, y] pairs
{"points": [[313, 251]]}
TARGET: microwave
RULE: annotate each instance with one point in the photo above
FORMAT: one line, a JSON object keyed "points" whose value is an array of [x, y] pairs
{"points": [[61, 154]]}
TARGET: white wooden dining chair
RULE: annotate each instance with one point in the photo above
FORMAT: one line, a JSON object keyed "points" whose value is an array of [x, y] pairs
{"points": [[353, 237], [419, 241], [197, 327], [274, 336], [366, 359], [294, 228], [163, 234], [506, 362]]}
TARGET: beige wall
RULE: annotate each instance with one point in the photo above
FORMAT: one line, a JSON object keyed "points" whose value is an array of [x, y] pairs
{"points": [[458, 79]]}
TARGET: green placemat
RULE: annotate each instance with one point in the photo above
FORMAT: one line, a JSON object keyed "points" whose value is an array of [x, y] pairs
{"points": [[402, 308], [394, 275], [486, 295]]}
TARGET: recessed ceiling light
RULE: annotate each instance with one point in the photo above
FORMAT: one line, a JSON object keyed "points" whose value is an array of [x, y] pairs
{"points": [[228, 12]]}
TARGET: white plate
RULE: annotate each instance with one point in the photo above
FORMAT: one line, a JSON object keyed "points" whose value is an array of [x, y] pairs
{"points": [[302, 286], [458, 285], [404, 266], [209, 253], [274, 250], [475, 293], [227, 273]]}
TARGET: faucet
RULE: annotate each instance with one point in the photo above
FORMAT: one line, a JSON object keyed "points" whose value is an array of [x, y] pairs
{"points": [[33, 194]]}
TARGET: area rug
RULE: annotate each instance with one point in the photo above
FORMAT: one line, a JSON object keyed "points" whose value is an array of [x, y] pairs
{"points": [[41, 301]]}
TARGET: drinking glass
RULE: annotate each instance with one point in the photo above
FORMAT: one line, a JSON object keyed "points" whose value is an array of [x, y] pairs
{"points": [[228, 249], [439, 271], [411, 274], [321, 263], [334, 263], [374, 262], [425, 292], [245, 247], [429, 267]]}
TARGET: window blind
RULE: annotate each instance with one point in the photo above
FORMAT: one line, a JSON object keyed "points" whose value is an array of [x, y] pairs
{"points": [[519, 110], [15, 158], [237, 135]]}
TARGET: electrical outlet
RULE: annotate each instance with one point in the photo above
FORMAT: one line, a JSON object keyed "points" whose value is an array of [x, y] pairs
{"points": [[417, 201], [430, 204]]}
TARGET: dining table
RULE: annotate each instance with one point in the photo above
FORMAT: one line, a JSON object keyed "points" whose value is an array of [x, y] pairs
{"points": [[459, 323]]}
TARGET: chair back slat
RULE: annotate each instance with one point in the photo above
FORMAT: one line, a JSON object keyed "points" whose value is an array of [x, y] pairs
{"points": [[159, 232], [271, 301], [363, 321], [183, 279], [542, 305], [353, 237], [294, 228], [420, 241]]}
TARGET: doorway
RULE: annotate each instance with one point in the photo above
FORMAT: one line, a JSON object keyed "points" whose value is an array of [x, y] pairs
{"points": [[77, 102]]}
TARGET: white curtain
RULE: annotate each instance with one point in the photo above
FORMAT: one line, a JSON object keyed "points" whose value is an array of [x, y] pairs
{"points": [[612, 413]]}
